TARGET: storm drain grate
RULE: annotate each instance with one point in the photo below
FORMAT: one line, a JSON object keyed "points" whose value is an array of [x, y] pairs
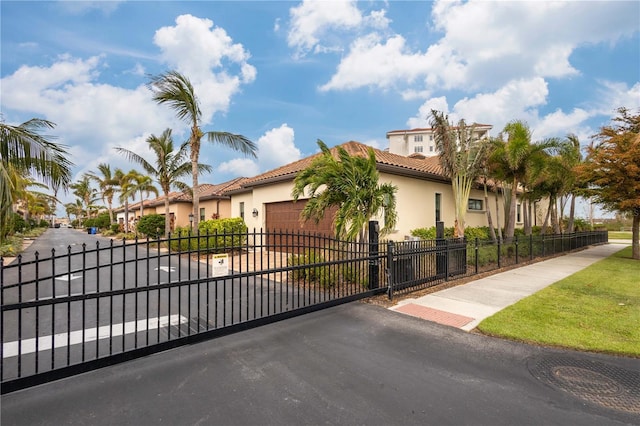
{"points": [[596, 382]]}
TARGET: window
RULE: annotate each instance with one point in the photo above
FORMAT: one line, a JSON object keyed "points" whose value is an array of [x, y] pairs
{"points": [[438, 202], [417, 138], [242, 209], [474, 204], [418, 148], [518, 213], [431, 148], [201, 213], [430, 137]]}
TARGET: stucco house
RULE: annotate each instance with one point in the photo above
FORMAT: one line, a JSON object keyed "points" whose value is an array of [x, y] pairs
{"points": [[424, 195], [214, 204], [422, 140]]}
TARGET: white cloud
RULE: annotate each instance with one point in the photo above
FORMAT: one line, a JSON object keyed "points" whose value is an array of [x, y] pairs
{"points": [[239, 167], [484, 45], [216, 66], [318, 26], [423, 118], [275, 148], [556, 124]]}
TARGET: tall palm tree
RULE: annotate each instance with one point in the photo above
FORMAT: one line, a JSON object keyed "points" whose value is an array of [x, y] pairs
{"points": [[85, 192], [351, 184], [171, 165], [126, 187], [571, 158], [175, 90], [107, 186], [144, 185], [512, 156], [24, 148], [462, 160], [74, 209]]}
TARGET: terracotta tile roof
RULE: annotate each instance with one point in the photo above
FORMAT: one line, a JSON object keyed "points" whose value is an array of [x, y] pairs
{"points": [[207, 191], [428, 166]]}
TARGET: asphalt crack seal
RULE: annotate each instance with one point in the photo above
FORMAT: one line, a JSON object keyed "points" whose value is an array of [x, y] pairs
{"points": [[596, 382]]}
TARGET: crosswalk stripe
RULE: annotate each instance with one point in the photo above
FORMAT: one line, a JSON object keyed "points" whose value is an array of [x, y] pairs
{"points": [[27, 346]]}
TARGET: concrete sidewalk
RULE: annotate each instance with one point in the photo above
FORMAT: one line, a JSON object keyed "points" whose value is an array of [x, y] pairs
{"points": [[465, 306]]}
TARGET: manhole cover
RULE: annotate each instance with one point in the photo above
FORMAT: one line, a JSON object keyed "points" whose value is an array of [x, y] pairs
{"points": [[596, 382]]}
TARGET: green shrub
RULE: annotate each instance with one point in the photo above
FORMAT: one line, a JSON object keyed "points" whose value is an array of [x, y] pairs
{"points": [[19, 224], [44, 223], [320, 274], [214, 236], [114, 228], [151, 225]]}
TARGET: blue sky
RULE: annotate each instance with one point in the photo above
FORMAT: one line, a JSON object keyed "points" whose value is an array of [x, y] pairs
{"points": [[285, 74]]}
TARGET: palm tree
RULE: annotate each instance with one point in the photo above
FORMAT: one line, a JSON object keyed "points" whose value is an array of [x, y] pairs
{"points": [[512, 157], [351, 183], [83, 190], [144, 185], [462, 160], [175, 90], [126, 186], [74, 209], [170, 166], [571, 158], [107, 186], [23, 148]]}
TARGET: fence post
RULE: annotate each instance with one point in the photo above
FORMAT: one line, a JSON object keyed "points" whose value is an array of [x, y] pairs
{"points": [[499, 254], [516, 249], [441, 256], [531, 246], [374, 263], [476, 249], [390, 248]]}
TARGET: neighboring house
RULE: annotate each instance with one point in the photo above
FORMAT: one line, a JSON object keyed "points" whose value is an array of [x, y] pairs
{"points": [[214, 204], [422, 141], [424, 195]]}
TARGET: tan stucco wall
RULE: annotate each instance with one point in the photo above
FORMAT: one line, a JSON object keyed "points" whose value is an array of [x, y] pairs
{"points": [[221, 207], [415, 204]]}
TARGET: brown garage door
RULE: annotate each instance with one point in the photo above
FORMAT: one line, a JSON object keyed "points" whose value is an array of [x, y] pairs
{"points": [[285, 217]]}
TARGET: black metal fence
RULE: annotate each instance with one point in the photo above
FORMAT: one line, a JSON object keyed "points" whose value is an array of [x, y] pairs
{"points": [[425, 263], [66, 313]]}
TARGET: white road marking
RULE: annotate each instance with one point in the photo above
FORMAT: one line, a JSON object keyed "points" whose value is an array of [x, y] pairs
{"points": [[166, 268], [10, 349], [69, 277]]}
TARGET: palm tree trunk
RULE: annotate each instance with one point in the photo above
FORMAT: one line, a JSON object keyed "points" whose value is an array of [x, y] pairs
{"points": [[492, 232], [511, 225], [195, 196], [142, 204], [167, 219], [572, 212], [554, 218], [543, 230], [126, 215]]}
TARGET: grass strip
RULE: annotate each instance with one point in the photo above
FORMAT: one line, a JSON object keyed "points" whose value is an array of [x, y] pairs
{"points": [[596, 309]]}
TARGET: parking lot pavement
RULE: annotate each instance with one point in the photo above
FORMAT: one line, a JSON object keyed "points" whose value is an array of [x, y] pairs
{"points": [[352, 364]]}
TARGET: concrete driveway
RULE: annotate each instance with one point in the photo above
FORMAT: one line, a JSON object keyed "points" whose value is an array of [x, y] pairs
{"points": [[353, 364]]}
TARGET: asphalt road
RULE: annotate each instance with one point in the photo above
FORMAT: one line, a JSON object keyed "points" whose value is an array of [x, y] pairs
{"points": [[352, 364], [79, 269]]}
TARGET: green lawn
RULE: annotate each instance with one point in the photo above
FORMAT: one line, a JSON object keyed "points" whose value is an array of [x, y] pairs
{"points": [[596, 309], [619, 235]]}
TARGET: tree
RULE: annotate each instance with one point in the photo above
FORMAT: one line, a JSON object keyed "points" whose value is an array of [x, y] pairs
{"points": [[24, 149], [612, 169], [175, 90], [83, 190], [171, 165], [512, 157], [351, 184], [127, 190], [462, 160], [107, 186], [144, 185]]}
